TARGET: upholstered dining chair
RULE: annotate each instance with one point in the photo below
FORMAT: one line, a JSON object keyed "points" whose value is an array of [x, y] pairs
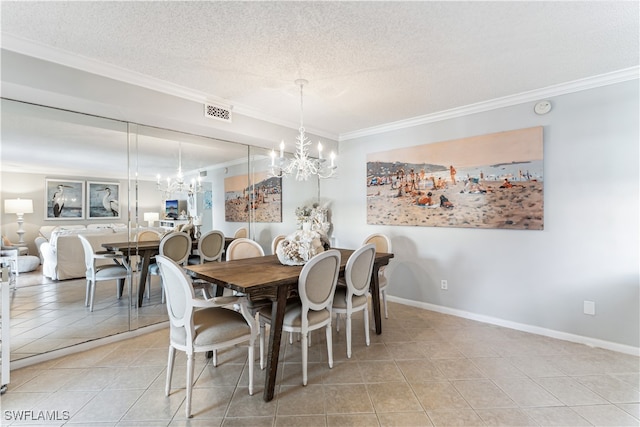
{"points": [[176, 246], [241, 232], [210, 248], [275, 241], [98, 271], [316, 287], [383, 245], [243, 248], [197, 325], [353, 296]]}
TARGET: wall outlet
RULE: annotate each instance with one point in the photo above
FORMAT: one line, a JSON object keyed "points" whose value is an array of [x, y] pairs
{"points": [[444, 285], [590, 308]]}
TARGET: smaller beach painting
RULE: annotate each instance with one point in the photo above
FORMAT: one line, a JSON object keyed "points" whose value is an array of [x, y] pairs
{"points": [[488, 181], [264, 197]]}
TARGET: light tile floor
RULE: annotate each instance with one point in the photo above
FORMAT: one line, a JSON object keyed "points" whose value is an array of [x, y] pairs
{"points": [[49, 315], [426, 369]]}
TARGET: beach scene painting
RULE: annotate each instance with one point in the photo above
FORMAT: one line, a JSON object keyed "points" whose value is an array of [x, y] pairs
{"points": [[487, 181], [264, 198]]}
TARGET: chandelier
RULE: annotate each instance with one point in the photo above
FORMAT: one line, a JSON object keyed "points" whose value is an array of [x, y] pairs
{"points": [[302, 164], [177, 184]]}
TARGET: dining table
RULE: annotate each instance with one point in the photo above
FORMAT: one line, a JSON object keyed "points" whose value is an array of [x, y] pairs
{"points": [[264, 277], [146, 250]]}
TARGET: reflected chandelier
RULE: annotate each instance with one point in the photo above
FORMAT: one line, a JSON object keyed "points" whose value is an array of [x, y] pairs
{"points": [[177, 185], [302, 165]]}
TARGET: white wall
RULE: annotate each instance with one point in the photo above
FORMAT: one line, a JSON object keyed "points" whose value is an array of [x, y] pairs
{"points": [[536, 280]]}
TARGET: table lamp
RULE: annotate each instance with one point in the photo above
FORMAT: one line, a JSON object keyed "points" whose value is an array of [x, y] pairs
{"points": [[151, 217], [19, 207]]}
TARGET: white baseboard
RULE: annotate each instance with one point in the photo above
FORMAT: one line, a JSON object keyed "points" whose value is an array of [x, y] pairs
{"points": [[591, 342], [45, 357]]}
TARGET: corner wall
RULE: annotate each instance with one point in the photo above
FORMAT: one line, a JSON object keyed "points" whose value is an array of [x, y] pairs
{"points": [[588, 250]]}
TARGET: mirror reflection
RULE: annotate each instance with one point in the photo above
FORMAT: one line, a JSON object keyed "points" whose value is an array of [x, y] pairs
{"points": [[160, 180]]}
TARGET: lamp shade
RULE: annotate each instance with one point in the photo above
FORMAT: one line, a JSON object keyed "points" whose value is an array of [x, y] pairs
{"points": [[151, 216], [18, 206]]}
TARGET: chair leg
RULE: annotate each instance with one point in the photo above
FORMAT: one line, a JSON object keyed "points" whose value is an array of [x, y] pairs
{"points": [[92, 295], [214, 358], [187, 402], [329, 345], [305, 355], [262, 332], [348, 333], [251, 355], [88, 291], [366, 326], [170, 361]]}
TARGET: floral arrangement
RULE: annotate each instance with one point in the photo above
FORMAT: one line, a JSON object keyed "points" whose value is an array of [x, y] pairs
{"points": [[309, 239], [316, 216]]}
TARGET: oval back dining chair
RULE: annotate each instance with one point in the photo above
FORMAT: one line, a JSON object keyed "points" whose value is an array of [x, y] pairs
{"points": [[316, 287], [353, 297], [97, 271], [198, 325], [383, 245], [210, 248], [241, 232], [243, 248], [275, 241], [175, 246]]}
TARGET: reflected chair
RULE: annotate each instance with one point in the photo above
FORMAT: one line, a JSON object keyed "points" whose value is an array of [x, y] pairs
{"points": [[241, 232], [197, 325], [175, 246], [353, 296], [383, 245], [316, 287], [97, 272], [275, 241], [143, 236]]}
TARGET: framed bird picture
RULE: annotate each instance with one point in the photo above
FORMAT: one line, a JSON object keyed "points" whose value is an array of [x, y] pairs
{"points": [[103, 200], [64, 199]]}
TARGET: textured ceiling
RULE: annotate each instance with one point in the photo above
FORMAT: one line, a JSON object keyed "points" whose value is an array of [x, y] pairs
{"points": [[368, 63]]}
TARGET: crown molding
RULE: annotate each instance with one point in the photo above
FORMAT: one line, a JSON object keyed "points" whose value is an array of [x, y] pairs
{"points": [[68, 59], [72, 60], [619, 76]]}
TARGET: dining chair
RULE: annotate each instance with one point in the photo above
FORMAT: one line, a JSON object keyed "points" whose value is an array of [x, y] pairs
{"points": [[176, 246], [148, 235], [316, 288], [210, 248], [353, 296], [243, 248], [241, 232], [197, 325], [97, 271], [383, 244], [275, 241]]}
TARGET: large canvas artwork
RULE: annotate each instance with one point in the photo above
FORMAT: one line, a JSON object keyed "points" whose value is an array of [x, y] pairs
{"points": [[264, 198], [488, 181]]}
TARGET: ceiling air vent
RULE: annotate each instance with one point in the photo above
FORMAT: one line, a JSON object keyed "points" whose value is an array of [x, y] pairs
{"points": [[217, 112]]}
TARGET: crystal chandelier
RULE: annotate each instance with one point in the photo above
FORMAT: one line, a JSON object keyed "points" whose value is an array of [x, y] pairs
{"points": [[177, 185], [302, 165]]}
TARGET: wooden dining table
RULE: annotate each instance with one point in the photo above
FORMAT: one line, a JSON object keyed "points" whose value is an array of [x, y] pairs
{"points": [[146, 250], [265, 277]]}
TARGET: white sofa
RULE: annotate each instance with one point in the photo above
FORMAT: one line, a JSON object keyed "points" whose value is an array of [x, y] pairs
{"points": [[62, 253]]}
